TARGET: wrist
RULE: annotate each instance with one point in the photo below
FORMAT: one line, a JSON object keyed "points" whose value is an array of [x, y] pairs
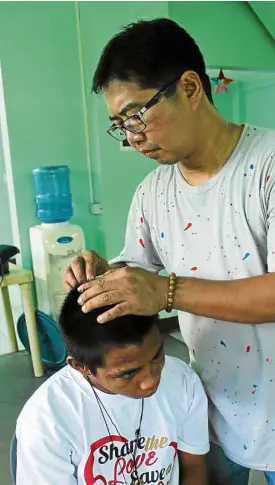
{"points": [[171, 292], [162, 291], [167, 291]]}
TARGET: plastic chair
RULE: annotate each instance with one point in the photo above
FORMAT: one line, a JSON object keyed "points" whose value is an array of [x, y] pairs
{"points": [[13, 458]]}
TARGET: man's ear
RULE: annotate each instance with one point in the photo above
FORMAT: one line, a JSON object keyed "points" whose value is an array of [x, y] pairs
{"points": [[83, 369], [191, 87]]}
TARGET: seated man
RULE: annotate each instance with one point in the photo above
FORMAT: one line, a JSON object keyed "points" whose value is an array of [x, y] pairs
{"points": [[119, 413]]}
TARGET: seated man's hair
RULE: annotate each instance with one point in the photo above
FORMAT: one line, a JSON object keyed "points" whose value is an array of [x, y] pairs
{"points": [[87, 340]]}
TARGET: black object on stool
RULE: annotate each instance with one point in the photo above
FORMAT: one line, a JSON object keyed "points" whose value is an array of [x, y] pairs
{"points": [[6, 253]]}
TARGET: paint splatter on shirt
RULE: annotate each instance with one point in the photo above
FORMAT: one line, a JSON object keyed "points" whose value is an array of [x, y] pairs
{"points": [[230, 214], [189, 225]]}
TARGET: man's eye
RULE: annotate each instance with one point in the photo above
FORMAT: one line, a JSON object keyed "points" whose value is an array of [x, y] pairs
{"points": [[129, 375]]}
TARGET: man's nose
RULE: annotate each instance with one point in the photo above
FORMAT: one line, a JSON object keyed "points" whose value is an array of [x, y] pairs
{"points": [[150, 381], [135, 138]]}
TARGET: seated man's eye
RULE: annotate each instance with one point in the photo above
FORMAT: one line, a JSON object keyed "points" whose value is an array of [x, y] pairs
{"points": [[129, 375]]}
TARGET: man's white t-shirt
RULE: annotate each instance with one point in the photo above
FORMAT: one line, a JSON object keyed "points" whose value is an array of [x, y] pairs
{"points": [[62, 438], [221, 230]]}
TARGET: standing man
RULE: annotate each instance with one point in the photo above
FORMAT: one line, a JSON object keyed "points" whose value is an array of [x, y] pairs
{"points": [[206, 215]]}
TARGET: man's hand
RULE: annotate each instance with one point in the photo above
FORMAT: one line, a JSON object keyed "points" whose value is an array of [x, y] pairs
{"points": [[84, 268], [133, 290]]}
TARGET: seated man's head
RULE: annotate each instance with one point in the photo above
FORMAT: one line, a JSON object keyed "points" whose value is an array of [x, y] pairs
{"points": [[124, 356]]}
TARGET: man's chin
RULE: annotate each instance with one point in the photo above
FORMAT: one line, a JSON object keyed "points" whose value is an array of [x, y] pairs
{"points": [[150, 394], [167, 162]]}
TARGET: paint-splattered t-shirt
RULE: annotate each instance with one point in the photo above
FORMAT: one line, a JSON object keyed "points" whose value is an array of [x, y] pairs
{"points": [[223, 229]]}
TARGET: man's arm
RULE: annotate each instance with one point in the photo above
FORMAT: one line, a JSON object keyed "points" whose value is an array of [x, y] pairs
{"points": [[192, 469], [248, 300], [117, 265], [139, 292], [138, 248]]}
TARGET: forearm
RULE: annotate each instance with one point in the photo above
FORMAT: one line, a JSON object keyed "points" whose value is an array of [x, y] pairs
{"points": [[118, 265], [192, 469], [248, 300], [195, 476], [194, 480]]}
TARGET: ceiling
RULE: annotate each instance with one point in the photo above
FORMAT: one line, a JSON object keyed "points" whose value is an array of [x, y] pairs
{"points": [[265, 11]]}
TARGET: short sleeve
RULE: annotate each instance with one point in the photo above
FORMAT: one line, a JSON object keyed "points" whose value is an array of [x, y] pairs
{"points": [[138, 248], [193, 432], [42, 458]]}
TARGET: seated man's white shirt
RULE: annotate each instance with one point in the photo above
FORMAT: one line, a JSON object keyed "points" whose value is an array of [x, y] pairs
{"points": [[62, 438]]}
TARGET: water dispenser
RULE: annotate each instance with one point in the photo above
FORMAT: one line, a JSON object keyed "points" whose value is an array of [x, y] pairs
{"points": [[55, 241]]}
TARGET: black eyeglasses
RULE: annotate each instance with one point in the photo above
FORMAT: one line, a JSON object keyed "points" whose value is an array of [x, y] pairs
{"points": [[135, 123]]}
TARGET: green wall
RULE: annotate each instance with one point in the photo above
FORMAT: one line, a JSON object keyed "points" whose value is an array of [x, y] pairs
{"points": [[265, 11], [118, 171], [38, 50], [258, 102], [228, 33], [40, 63]]}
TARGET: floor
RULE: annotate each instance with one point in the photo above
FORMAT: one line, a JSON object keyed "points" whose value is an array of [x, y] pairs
{"points": [[18, 383]]}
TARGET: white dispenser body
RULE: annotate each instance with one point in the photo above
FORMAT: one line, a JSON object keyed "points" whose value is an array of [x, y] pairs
{"points": [[53, 247]]}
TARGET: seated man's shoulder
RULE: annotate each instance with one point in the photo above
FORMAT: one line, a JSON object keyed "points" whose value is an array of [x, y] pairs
{"points": [[179, 368], [49, 400], [182, 390], [180, 377]]}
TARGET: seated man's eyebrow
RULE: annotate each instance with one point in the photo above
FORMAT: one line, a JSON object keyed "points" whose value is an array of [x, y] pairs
{"points": [[126, 108], [133, 371]]}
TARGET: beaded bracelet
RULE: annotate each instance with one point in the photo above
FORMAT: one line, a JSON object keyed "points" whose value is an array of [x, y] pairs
{"points": [[171, 292]]}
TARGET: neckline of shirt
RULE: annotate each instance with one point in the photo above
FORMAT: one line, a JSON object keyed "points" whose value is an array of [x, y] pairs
{"points": [[209, 184]]}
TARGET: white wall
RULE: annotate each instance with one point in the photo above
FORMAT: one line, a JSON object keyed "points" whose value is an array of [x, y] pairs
{"points": [[9, 233]]}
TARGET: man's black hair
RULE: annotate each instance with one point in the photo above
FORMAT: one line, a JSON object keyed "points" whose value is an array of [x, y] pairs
{"points": [[88, 341], [152, 54]]}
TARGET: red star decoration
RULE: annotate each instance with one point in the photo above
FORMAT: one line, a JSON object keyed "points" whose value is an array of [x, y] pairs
{"points": [[225, 80], [221, 82]]}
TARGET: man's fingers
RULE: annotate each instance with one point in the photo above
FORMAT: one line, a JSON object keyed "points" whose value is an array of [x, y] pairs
{"points": [[78, 269], [90, 266], [98, 284], [86, 286], [118, 311], [67, 286], [102, 299], [69, 280]]}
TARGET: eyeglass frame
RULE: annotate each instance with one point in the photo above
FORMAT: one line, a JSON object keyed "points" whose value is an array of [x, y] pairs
{"points": [[152, 102]]}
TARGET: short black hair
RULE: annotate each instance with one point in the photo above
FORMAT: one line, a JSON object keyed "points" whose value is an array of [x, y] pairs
{"points": [[151, 53], [88, 341]]}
